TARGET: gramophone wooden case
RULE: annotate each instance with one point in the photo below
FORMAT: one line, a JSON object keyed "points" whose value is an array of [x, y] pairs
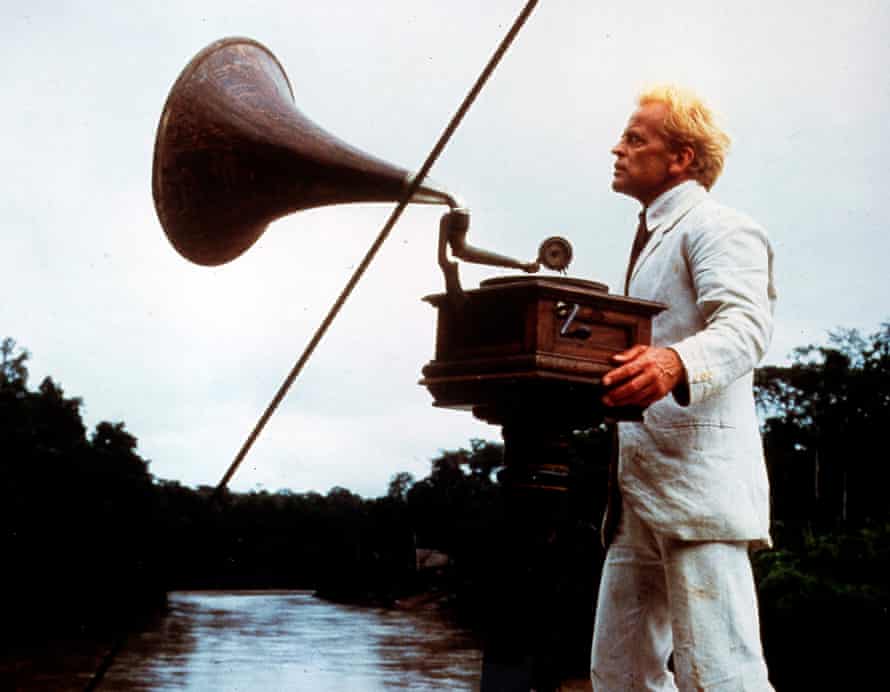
{"points": [[524, 336]]}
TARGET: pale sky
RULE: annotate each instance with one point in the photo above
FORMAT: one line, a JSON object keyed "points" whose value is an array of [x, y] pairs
{"points": [[188, 357]]}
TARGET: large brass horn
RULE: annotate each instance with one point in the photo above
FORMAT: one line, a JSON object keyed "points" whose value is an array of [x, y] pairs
{"points": [[234, 153]]}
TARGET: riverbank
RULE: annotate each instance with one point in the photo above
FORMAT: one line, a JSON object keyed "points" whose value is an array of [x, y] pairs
{"points": [[60, 665]]}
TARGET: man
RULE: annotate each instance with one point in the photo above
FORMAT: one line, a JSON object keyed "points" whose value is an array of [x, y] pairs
{"points": [[694, 494]]}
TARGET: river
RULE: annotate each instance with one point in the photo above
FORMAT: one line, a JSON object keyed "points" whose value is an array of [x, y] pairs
{"points": [[288, 640]]}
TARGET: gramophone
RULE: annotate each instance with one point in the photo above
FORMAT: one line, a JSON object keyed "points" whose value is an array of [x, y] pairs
{"points": [[523, 351], [233, 153]]}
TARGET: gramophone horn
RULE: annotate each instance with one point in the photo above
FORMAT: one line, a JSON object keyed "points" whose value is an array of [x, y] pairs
{"points": [[233, 153]]}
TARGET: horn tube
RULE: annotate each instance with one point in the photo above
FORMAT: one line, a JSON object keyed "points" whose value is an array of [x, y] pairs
{"points": [[233, 153]]}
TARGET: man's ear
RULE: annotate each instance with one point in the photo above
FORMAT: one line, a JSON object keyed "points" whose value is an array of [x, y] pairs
{"points": [[683, 156]]}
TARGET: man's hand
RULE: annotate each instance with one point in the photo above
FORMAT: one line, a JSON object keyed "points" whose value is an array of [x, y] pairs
{"points": [[645, 375]]}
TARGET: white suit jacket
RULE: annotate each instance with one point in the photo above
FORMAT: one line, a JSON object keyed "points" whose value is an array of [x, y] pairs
{"points": [[694, 468]]}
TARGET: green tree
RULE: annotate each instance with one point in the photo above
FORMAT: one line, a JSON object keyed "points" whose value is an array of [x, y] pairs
{"points": [[13, 371], [399, 486], [825, 589], [825, 418], [70, 506]]}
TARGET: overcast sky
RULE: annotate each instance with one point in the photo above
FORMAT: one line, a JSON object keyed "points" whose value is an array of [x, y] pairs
{"points": [[188, 356]]}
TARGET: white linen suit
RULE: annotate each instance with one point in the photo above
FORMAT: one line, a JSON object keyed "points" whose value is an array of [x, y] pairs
{"points": [[694, 468], [691, 475]]}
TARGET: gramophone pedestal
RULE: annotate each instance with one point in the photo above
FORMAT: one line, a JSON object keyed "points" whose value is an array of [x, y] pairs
{"points": [[528, 354]]}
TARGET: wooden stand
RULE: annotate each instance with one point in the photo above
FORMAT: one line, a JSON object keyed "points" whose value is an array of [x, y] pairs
{"points": [[528, 354]]}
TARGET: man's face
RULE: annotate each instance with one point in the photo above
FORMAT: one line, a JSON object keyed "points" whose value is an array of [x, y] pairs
{"points": [[645, 163]]}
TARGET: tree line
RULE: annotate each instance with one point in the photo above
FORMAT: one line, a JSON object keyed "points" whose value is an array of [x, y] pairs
{"points": [[93, 541]]}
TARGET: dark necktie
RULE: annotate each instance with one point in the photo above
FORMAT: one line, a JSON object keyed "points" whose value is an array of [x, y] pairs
{"points": [[640, 240]]}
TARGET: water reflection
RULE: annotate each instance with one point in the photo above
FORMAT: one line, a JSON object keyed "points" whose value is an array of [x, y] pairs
{"points": [[291, 641]]}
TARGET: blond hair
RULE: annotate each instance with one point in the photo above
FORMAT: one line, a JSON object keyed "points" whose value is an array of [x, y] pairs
{"points": [[690, 122]]}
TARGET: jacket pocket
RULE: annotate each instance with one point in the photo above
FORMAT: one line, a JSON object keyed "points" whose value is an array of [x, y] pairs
{"points": [[691, 439]]}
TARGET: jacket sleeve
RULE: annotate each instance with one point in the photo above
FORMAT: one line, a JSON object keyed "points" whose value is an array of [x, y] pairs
{"points": [[730, 263]]}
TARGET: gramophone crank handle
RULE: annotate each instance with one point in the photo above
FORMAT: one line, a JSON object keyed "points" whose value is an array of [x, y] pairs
{"points": [[577, 317], [572, 313]]}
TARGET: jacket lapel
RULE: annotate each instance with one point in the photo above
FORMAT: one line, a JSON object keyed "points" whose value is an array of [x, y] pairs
{"points": [[666, 215], [654, 242]]}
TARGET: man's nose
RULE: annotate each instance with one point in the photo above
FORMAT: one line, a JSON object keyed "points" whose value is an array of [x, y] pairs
{"points": [[617, 150]]}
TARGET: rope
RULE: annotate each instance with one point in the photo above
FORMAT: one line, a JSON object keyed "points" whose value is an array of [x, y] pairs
{"points": [[375, 246]]}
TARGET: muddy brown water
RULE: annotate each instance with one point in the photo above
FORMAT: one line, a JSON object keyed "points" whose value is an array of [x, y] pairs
{"points": [[288, 640]]}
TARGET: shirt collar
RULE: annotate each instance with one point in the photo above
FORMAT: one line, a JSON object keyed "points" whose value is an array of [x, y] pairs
{"points": [[670, 205]]}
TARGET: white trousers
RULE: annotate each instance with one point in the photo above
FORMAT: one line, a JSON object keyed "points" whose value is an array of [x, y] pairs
{"points": [[695, 599]]}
